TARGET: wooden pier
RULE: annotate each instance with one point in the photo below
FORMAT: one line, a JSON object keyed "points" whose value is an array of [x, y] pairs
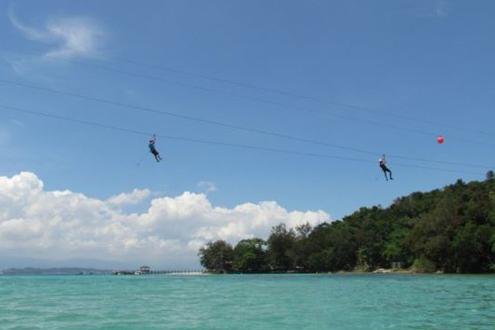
{"points": [[145, 270]]}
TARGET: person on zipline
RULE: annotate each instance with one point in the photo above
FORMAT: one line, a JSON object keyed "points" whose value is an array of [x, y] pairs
{"points": [[385, 169], [152, 147]]}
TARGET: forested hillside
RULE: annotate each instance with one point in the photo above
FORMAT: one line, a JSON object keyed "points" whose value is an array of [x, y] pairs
{"points": [[450, 230]]}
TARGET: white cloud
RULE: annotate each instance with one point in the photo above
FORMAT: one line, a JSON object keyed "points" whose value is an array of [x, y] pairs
{"points": [[207, 186], [69, 36], [65, 225], [132, 198]]}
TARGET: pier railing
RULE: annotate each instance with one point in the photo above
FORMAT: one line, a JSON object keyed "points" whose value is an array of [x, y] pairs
{"points": [[158, 272]]}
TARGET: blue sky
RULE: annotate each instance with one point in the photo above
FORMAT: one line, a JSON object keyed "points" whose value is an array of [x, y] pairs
{"points": [[426, 59]]}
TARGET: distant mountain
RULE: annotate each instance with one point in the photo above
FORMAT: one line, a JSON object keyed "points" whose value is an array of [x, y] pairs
{"points": [[8, 259], [54, 271], [12, 261]]}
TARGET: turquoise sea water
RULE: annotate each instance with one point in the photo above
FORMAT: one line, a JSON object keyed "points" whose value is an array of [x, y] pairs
{"points": [[248, 302]]}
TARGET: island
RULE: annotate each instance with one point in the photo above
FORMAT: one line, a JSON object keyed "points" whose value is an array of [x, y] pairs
{"points": [[449, 230]]}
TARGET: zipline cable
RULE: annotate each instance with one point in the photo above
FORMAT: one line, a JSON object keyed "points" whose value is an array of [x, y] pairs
{"points": [[217, 143], [288, 93], [285, 105], [227, 125], [259, 100], [251, 86], [280, 92]]}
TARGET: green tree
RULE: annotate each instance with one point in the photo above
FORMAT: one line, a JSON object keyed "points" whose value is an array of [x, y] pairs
{"points": [[250, 256], [301, 249], [490, 175], [217, 256], [280, 245], [450, 229], [471, 247]]}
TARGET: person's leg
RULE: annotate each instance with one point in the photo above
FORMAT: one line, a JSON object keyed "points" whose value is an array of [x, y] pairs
{"points": [[385, 173], [390, 173], [155, 154]]}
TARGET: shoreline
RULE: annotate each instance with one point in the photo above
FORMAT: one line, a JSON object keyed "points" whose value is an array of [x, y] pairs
{"points": [[379, 271]]}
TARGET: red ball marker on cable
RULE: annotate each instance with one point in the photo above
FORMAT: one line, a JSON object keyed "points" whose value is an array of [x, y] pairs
{"points": [[440, 139]]}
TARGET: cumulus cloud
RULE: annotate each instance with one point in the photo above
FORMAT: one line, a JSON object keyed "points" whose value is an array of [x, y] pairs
{"points": [[64, 224], [132, 198], [69, 37]]}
